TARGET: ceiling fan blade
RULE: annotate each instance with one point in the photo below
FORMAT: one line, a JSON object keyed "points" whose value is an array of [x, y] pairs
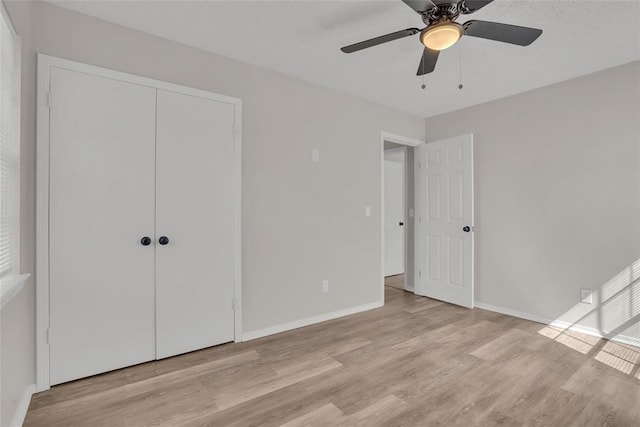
{"points": [[470, 6], [428, 61], [420, 6], [379, 40], [522, 36]]}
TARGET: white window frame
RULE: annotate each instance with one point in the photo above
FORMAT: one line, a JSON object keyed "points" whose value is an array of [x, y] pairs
{"points": [[11, 281]]}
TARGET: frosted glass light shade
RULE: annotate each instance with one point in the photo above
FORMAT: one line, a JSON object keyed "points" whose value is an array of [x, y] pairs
{"points": [[442, 36]]}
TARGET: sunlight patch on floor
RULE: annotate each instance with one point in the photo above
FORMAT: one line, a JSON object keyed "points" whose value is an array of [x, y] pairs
{"points": [[579, 342], [623, 358], [614, 311], [615, 362]]}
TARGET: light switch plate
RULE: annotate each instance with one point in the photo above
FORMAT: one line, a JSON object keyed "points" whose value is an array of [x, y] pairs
{"points": [[367, 211], [315, 155], [325, 286]]}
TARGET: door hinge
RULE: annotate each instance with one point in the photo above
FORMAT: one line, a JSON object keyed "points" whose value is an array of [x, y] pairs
{"points": [[49, 100], [233, 304], [419, 273]]}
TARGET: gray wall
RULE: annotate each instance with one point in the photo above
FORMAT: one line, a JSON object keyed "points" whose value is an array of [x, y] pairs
{"points": [[302, 222], [557, 197]]}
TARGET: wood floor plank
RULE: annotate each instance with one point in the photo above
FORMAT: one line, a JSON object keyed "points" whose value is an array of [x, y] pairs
{"points": [[377, 413], [396, 281], [425, 304], [294, 374], [413, 362], [493, 349], [326, 415], [272, 409]]}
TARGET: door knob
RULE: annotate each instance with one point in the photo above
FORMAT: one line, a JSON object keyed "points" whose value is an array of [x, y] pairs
{"points": [[401, 223], [163, 240], [466, 229], [145, 241]]}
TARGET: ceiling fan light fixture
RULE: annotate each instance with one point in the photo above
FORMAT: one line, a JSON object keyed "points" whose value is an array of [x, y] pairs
{"points": [[442, 36]]}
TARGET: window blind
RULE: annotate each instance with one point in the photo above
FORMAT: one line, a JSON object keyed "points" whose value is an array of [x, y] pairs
{"points": [[9, 146]]}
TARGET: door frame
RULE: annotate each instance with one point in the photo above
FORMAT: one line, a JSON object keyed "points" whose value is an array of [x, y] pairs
{"points": [[43, 102], [407, 142]]}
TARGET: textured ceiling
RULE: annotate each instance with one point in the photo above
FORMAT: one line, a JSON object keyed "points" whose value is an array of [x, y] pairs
{"points": [[302, 39]]}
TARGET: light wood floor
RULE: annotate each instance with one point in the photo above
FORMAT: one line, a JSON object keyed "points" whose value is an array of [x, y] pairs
{"points": [[414, 362], [396, 281]]}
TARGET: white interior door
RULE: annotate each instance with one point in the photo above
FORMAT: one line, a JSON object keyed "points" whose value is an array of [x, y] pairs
{"points": [[194, 210], [102, 137], [394, 213], [444, 226]]}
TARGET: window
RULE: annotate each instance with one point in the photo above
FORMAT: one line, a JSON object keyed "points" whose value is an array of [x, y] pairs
{"points": [[9, 153]]}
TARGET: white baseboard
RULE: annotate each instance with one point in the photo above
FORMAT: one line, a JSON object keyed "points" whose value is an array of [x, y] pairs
{"points": [[308, 321], [514, 313], [23, 406], [624, 339]]}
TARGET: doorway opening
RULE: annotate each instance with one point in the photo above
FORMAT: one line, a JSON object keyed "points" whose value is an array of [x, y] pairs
{"points": [[395, 215], [397, 195]]}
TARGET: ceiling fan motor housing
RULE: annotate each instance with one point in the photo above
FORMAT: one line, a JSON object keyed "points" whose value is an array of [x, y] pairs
{"points": [[446, 11]]}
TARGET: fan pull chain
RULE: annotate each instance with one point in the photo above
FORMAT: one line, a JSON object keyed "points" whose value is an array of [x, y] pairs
{"points": [[424, 86], [460, 85]]}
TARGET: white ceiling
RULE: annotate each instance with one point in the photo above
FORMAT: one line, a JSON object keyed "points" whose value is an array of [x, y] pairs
{"points": [[302, 39]]}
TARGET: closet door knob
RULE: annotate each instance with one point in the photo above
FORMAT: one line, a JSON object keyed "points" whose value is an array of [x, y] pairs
{"points": [[145, 241], [163, 240]]}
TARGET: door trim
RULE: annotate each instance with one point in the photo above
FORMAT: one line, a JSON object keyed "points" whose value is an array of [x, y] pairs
{"points": [[43, 101], [409, 142]]}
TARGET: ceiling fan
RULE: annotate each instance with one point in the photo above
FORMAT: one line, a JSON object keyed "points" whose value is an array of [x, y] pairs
{"points": [[442, 32]]}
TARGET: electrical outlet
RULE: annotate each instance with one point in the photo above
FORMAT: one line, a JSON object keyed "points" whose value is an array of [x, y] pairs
{"points": [[586, 296], [325, 286]]}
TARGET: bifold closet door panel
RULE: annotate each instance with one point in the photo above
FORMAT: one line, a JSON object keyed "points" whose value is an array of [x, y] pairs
{"points": [[102, 142], [194, 211]]}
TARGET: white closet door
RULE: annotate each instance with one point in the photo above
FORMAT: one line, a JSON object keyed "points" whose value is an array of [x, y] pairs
{"points": [[102, 136], [194, 210]]}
